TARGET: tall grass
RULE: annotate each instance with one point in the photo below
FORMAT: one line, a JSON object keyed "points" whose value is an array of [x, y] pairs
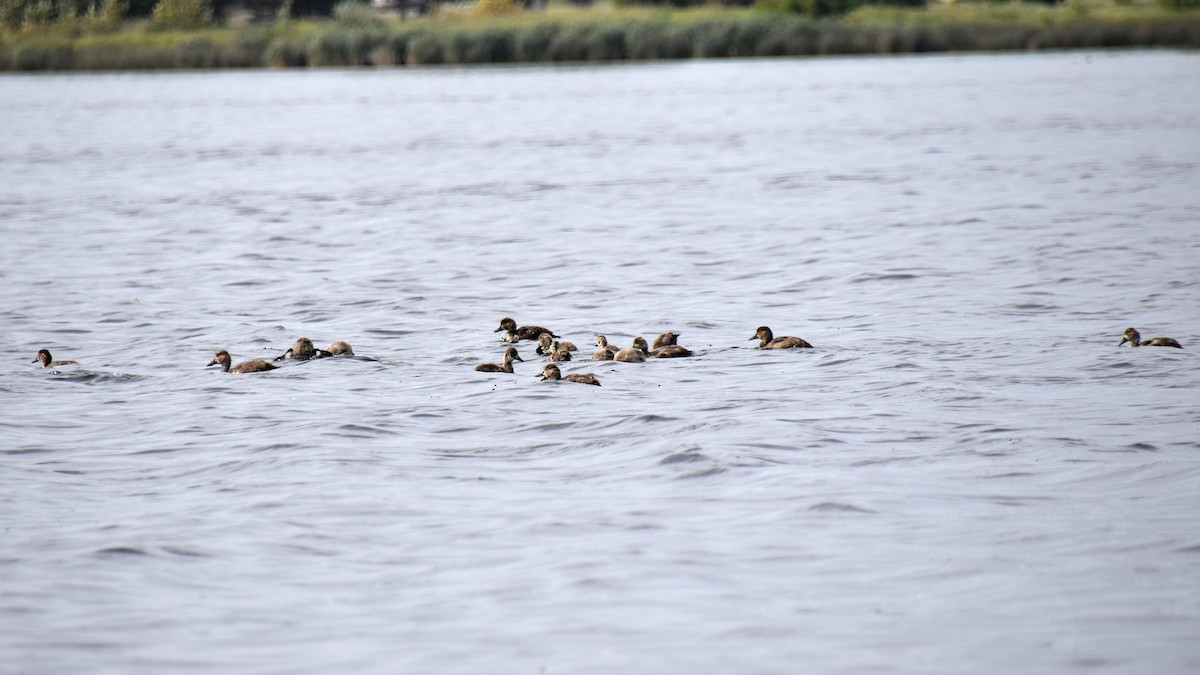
{"points": [[599, 35]]}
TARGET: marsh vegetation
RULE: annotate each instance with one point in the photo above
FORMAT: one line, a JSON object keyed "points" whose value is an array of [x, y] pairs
{"points": [[188, 34]]}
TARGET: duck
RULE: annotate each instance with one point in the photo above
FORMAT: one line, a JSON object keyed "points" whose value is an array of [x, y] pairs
{"points": [[252, 366], [1135, 340], [551, 372], [303, 350], [665, 338], [635, 354], [339, 348], [664, 346], [510, 355], [671, 352], [557, 353], [769, 341], [547, 346], [47, 361], [605, 351], [511, 329]]}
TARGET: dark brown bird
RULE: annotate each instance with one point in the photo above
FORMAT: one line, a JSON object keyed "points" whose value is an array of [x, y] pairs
{"points": [[1135, 340], [252, 366], [769, 341], [43, 357], [665, 338], [551, 372], [510, 355], [665, 346], [303, 350], [671, 352], [512, 330]]}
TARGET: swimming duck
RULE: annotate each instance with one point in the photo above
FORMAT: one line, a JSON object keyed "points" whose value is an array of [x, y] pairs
{"points": [[671, 352], [635, 354], [252, 366], [605, 351], [546, 343], [1135, 340], [303, 350], [557, 353], [665, 347], [665, 338], [511, 328], [769, 341], [551, 372], [340, 348], [510, 355], [43, 357]]}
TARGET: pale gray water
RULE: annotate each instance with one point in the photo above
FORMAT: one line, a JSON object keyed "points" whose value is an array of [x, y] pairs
{"points": [[966, 475]]}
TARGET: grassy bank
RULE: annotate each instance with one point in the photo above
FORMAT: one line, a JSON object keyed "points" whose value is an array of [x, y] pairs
{"points": [[603, 35]]}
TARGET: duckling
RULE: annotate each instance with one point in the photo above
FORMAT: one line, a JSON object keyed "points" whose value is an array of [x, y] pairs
{"points": [[665, 338], [303, 350], [671, 352], [769, 341], [252, 366], [1135, 340], [510, 355], [558, 353], [549, 348], [635, 354], [340, 348], [551, 372], [605, 351], [666, 348], [43, 356], [510, 327]]}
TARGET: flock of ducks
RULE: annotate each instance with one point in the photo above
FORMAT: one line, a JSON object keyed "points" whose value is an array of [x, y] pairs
{"points": [[302, 349], [550, 346], [665, 346]]}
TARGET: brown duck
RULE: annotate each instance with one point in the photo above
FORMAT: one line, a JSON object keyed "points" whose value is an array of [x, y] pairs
{"points": [[512, 330], [551, 372], [635, 354], [43, 357], [547, 346], [252, 366], [605, 351], [303, 350], [510, 355], [665, 338], [1135, 340], [769, 341], [665, 346], [339, 348]]}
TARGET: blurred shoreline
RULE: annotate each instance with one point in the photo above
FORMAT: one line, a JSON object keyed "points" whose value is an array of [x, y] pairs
{"points": [[594, 35]]}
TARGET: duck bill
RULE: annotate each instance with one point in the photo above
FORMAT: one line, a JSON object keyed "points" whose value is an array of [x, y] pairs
{"points": [[1123, 342], [518, 358], [211, 363], [498, 329]]}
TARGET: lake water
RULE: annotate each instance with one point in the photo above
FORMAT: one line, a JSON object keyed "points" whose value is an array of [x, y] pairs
{"points": [[967, 474]]}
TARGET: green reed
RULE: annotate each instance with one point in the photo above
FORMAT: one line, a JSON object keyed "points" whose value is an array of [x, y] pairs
{"points": [[602, 35]]}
